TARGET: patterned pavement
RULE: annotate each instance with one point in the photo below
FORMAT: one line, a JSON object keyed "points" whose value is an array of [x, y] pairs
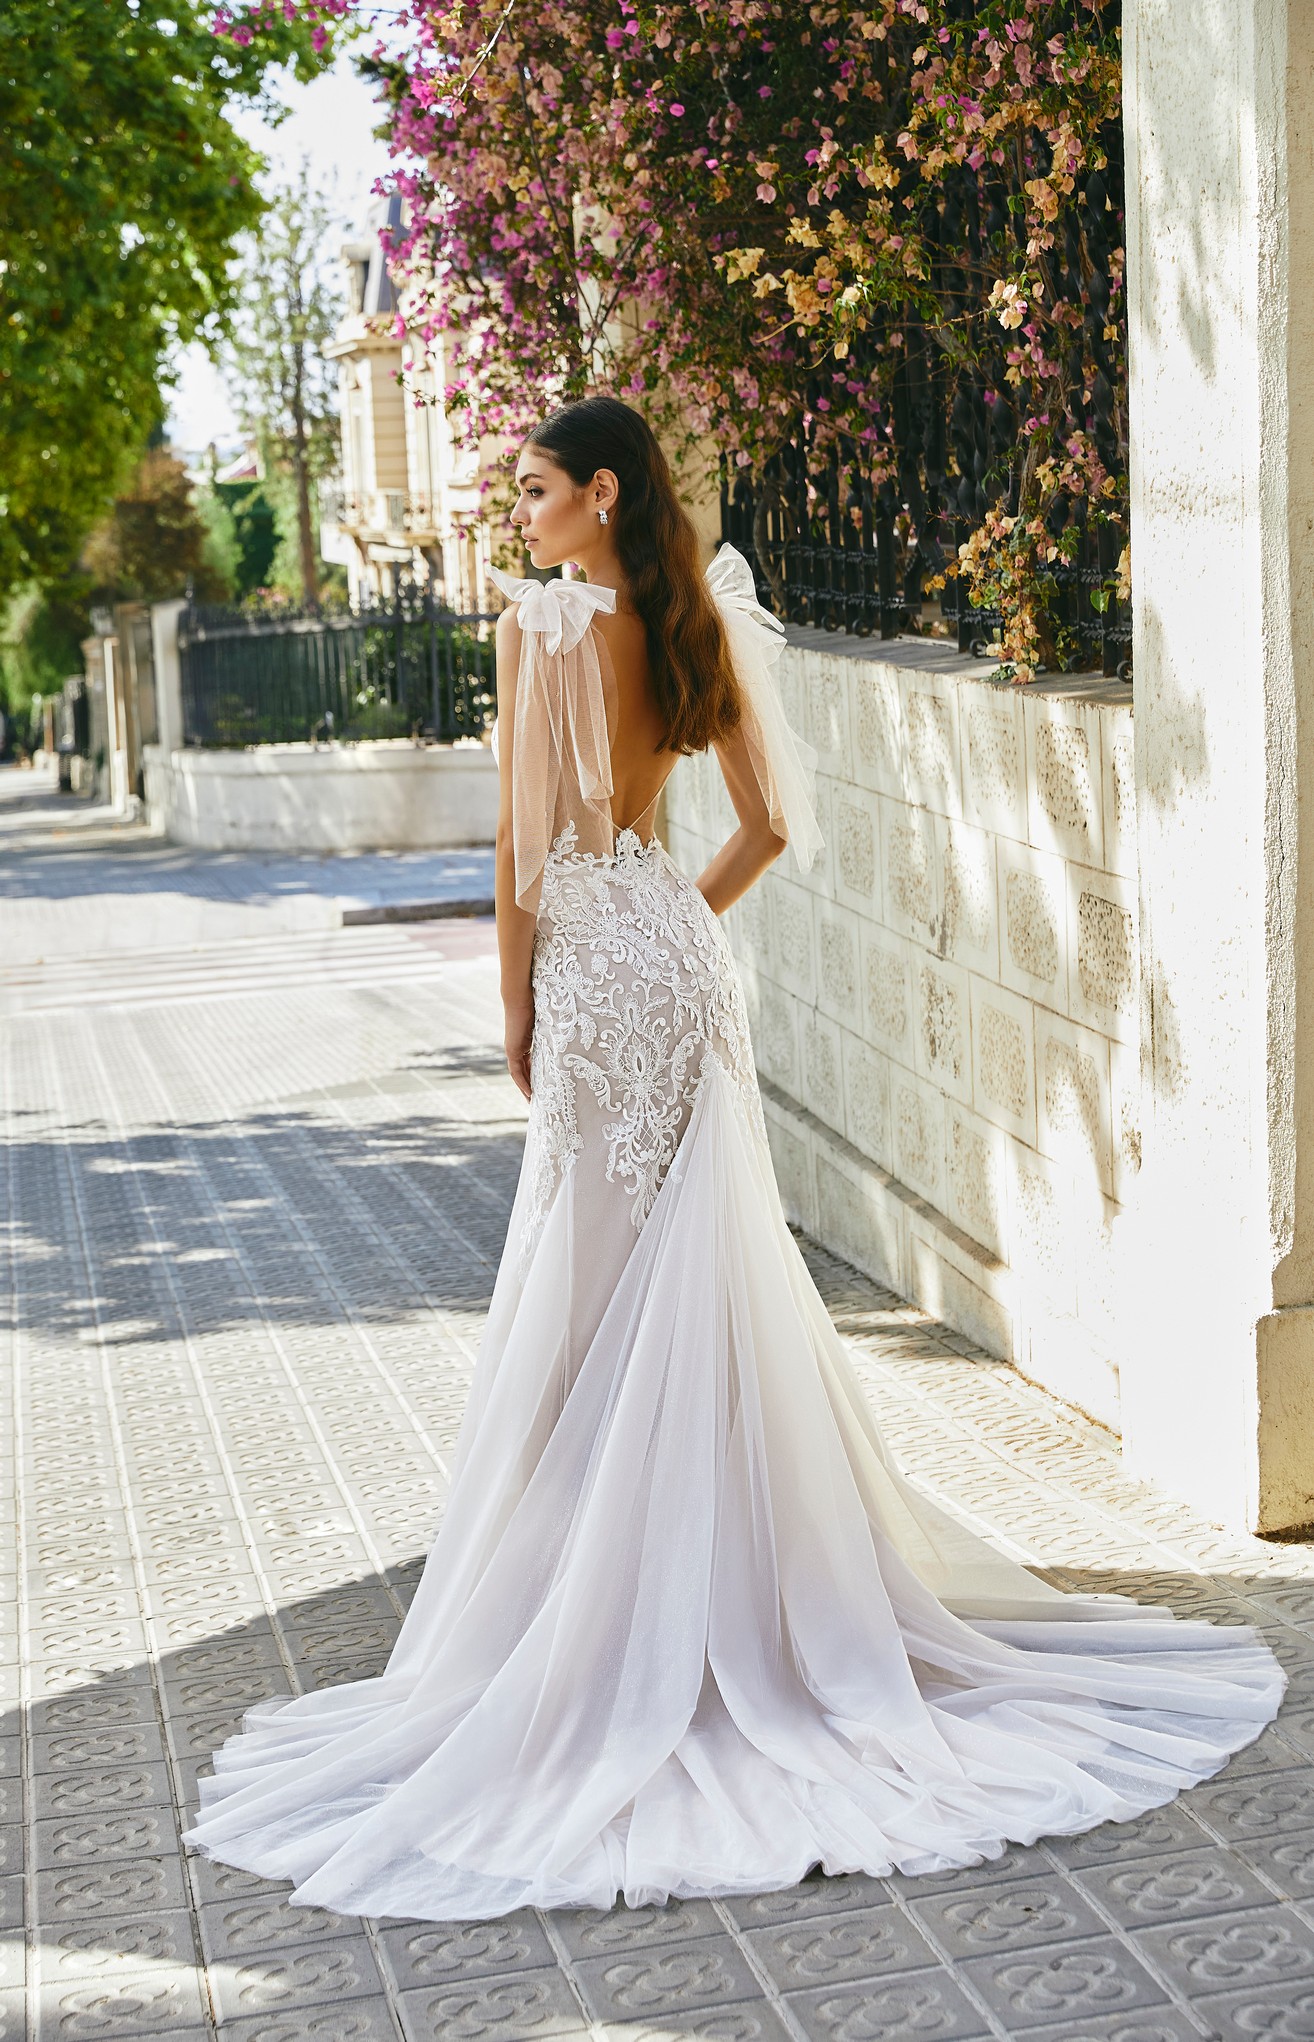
{"points": [[253, 1201]]}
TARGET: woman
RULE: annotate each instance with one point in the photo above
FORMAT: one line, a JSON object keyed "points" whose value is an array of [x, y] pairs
{"points": [[684, 1630]]}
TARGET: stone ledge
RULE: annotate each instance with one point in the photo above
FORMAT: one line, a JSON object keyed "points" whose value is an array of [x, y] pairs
{"points": [[935, 656]]}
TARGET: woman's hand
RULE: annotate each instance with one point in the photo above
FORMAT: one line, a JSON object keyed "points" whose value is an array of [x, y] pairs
{"points": [[519, 1040]]}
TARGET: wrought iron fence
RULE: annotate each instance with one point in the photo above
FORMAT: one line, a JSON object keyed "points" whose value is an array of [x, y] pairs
{"points": [[830, 550], [409, 668], [856, 538]]}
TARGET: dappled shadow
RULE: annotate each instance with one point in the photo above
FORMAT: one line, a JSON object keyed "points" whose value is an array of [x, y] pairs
{"points": [[118, 1746], [286, 1217]]}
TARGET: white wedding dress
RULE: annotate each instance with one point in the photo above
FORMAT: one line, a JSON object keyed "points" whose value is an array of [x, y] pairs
{"points": [[685, 1629]]}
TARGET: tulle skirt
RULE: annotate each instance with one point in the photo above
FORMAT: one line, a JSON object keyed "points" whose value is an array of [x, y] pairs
{"points": [[685, 1629]]}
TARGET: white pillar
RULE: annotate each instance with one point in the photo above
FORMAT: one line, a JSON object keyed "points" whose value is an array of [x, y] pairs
{"points": [[1218, 1380], [168, 674]]}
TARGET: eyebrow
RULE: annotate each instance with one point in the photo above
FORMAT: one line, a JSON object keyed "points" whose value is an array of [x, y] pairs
{"points": [[530, 475]]}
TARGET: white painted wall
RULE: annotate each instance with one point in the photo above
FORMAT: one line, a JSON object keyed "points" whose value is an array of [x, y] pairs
{"points": [[385, 796], [945, 1011], [1219, 1388]]}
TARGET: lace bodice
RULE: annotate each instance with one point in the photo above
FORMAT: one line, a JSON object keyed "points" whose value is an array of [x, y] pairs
{"points": [[634, 990]]}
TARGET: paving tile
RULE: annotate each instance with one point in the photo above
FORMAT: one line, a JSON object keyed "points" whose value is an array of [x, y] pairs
{"points": [[356, 2020], [532, 2008], [1163, 1829], [12, 1848], [101, 1790], [752, 2021], [160, 2002], [1287, 1860], [587, 1933], [1021, 1915], [120, 1886], [1031, 1988], [921, 2003], [1283, 2013], [242, 1925], [13, 2017], [640, 1984], [430, 1953], [1263, 1946], [1176, 1888], [1154, 2024], [113, 1948], [1013, 1863], [867, 1943], [81, 1840], [814, 1895], [278, 1980]]}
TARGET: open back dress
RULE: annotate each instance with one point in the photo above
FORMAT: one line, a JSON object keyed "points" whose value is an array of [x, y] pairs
{"points": [[685, 1628]]}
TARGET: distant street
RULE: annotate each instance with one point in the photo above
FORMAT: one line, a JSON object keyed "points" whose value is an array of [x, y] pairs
{"points": [[255, 1181]]}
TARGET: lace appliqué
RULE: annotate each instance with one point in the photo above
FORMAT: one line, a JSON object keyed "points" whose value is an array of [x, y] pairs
{"points": [[634, 991]]}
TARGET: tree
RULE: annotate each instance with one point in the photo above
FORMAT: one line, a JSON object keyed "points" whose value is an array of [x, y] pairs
{"points": [[124, 188], [283, 388], [155, 542], [797, 228]]}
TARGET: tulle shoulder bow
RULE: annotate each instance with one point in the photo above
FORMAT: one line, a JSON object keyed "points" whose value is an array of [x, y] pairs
{"points": [[561, 611], [561, 739], [785, 763]]}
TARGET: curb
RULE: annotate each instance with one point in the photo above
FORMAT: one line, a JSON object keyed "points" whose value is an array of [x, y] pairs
{"points": [[416, 911]]}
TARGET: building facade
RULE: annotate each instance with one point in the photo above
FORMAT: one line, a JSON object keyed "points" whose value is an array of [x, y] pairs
{"points": [[407, 504]]}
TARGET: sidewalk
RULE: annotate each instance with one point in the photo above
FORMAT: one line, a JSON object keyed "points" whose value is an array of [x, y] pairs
{"points": [[69, 869], [254, 1201]]}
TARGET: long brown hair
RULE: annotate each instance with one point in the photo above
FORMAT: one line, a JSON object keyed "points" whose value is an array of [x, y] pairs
{"points": [[688, 659]]}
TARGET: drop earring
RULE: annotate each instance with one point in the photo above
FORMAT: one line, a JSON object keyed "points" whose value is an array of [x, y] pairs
{"points": [[602, 515]]}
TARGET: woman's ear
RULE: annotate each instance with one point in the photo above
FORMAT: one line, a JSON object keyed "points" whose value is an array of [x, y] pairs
{"points": [[604, 491]]}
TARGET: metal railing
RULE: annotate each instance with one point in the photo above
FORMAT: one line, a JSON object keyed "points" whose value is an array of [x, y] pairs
{"points": [[829, 550], [409, 668], [858, 537]]}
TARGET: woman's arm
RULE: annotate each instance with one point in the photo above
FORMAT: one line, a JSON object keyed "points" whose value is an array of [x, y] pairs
{"points": [[515, 928], [744, 857]]}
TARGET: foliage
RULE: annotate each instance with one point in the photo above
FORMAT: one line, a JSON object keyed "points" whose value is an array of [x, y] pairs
{"points": [[744, 212], [154, 544], [123, 191], [41, 635], [282, 386]]}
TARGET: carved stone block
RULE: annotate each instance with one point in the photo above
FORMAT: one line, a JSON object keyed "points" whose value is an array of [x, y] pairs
{"points": [[1033, 924], [887, 994], [1075, 1115], [943, 1033], [969, 929], [1065, 777], [793, 961], [917, 1112], [1104, 988], [1003, 1059], [975, 1178], [855, 821], [910, 869], [877, 729], [867, 1100], [994, 779], [838, 964], [933, 774], [823, 1078]]}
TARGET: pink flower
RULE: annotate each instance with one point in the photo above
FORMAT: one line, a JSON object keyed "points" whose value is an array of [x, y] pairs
{"points": [[676, 108]]}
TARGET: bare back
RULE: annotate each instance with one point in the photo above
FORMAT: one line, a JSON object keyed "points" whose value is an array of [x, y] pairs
{"points": [[640, 761]]}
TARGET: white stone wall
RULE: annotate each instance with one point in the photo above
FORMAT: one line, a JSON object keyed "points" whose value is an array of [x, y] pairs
{"points": [[945, 1011], [390, 795]]}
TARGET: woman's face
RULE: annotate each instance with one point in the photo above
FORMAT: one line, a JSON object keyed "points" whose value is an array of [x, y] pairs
{"points": [[559, 520]]}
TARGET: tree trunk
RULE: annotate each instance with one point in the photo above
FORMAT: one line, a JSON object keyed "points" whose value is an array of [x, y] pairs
{"points": [[301, 473]]}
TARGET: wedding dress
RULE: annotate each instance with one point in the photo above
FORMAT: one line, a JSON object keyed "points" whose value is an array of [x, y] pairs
{"points": [[685, 1629]]}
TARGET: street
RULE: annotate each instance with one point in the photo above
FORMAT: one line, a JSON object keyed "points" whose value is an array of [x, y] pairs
{"points": [[256, 1176]]}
